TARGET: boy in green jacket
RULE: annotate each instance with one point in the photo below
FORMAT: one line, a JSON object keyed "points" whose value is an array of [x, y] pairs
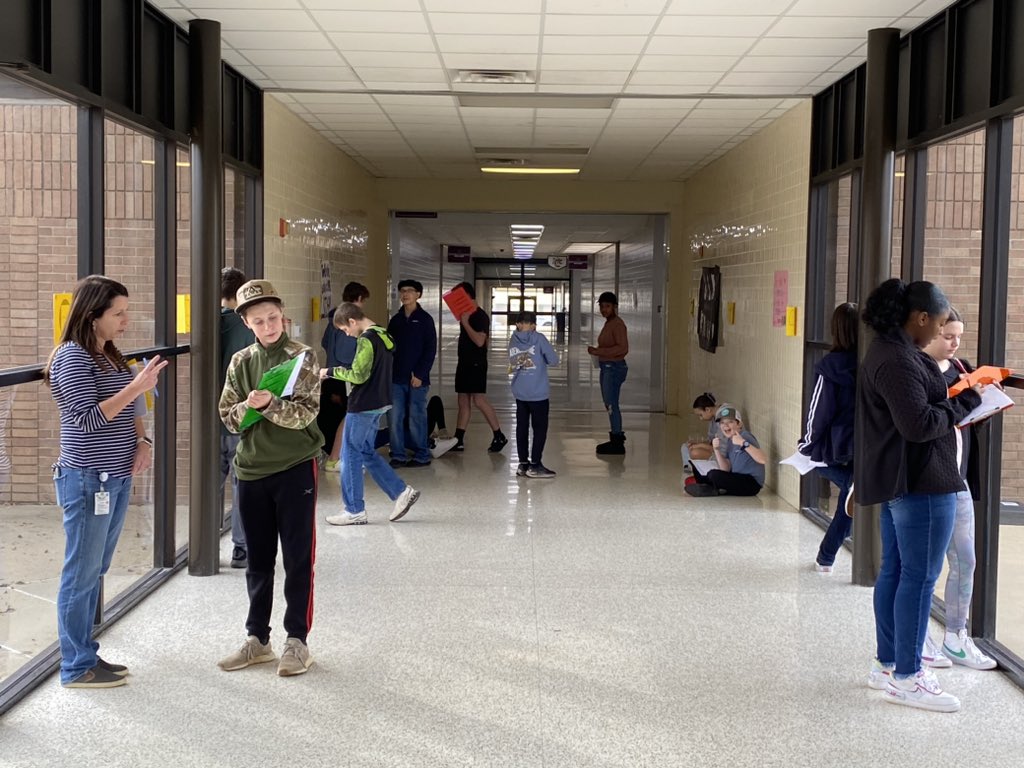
{"points": [[276, 468], [369, 399]]}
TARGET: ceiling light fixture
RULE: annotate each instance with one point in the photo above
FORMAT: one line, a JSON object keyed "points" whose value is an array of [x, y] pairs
{"points": [[538, 171]]}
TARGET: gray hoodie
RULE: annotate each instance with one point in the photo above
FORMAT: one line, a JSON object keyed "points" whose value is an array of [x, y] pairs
{"points": [[529, 355]]}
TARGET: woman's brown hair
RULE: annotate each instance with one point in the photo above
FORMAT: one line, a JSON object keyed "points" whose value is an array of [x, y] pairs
{"points": [[844, 327], [93, 296]]}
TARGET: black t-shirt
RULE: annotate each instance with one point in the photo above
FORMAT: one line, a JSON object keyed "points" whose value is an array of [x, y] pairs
{"points": [[469, 352], [952, 376]]}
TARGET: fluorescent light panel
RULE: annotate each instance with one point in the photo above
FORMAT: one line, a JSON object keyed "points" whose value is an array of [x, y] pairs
{"points": [[521, 170]]}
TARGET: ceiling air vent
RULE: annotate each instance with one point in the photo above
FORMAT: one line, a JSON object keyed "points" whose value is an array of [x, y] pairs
{"points": [[503, 162], [494, 76]]}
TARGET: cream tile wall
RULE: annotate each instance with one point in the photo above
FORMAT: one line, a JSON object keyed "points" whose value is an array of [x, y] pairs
{"points": [[306, 178], [761, 183]]}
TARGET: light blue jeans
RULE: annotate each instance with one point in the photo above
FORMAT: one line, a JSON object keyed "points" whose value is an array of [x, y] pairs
{"points": [[357, 452], [90, 540], [410, 401], [962, 559], [613, 375], [228, 446], [916, 529]]}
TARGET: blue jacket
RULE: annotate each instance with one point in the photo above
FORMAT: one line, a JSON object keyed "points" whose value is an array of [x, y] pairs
{"points": [[529, 355], [829, 435], [415, 345]]}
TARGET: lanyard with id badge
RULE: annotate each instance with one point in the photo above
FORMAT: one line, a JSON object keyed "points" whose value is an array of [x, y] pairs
{"points": [[101, 498]]}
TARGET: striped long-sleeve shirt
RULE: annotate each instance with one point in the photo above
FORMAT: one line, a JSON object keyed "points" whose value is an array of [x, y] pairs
{"points": [[87, 439]]}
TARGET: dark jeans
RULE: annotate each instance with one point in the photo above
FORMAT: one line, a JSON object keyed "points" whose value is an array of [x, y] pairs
{"points": [[613, 375], [840, 475], [280, 505], [531, 413], [733, 483]]}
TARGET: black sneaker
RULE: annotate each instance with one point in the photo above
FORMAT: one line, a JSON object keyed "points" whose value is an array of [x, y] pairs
{"points": [[459, 446], [415, 463], [398, 463], [499, 442], [521, 470], [117, 669], [96, 677], [701, 489], [239, 557], [540, 471]]}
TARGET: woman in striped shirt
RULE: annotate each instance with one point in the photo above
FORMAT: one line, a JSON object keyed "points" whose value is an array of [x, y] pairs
{"points": [[102, 444]]}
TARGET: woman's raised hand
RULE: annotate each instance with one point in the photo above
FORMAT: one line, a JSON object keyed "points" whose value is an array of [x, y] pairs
{"points": [[147, 377]]}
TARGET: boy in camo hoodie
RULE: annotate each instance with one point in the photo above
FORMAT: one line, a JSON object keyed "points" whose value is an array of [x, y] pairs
{"points": [[277, 471]]}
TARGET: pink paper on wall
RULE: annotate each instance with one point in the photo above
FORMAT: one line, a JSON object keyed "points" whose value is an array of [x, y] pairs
{"points": [[780, 298]]}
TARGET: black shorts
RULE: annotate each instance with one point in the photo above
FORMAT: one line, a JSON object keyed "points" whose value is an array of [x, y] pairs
{"points": [[471, 378]]}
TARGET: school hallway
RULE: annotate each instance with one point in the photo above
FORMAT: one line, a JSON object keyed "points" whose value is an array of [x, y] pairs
{"points": [[602, 618]]}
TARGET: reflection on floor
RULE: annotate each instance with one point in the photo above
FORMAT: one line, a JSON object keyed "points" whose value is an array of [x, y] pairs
{"points": [[602, 618]]}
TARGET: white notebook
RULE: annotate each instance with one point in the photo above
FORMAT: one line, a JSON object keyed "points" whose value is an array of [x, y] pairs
{"points": [[993, 400]]}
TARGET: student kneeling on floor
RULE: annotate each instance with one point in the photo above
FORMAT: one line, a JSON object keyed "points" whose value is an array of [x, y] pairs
{"points": [[740, 460]]}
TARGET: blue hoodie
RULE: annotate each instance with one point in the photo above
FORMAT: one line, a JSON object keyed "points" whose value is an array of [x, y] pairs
{"points": [[829, 435], [529, 355]]}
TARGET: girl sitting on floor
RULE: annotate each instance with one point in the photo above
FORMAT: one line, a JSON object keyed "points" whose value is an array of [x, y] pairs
{"points": [[740, 460]]}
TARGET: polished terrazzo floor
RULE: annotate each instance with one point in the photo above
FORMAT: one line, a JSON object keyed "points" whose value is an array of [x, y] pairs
{"points": [[599, 619]]}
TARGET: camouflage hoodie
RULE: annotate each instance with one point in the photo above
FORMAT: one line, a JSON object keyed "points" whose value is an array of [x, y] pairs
{"points": [[287, 434]]}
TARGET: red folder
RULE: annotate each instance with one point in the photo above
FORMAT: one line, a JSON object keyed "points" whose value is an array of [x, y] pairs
{"points": [[985, 374], [458, 301]]}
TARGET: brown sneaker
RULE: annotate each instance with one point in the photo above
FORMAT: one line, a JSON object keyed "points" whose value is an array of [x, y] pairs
{"points": [[97, 677], [251, 652], [295, 658]]}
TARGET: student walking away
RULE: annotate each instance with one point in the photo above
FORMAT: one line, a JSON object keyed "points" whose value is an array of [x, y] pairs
{"points": [[740, 459], [276, 464], [611, 350], [369, 399], [908, 464], [102, 446], [415, 336], [829, 434], [529, 355], [340, 348], [234, 337], [704, 408], [471, 374], [957, 646]]}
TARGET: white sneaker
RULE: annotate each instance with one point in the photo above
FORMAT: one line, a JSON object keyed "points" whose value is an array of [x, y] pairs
{"points": [[879, 676], [442, 445], [932, 656], [823, 569], [960, 649], [404, 503], [922, 691], [345, 518]]}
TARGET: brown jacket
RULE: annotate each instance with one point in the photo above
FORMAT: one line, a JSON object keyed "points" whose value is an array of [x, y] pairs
{"points": [[613, 344]]}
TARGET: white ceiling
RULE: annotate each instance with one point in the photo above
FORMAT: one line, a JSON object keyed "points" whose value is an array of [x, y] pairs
{"points": [[691, 78]]}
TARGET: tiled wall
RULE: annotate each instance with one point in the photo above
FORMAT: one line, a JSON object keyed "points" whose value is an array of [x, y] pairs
{"points": [[306, 178], [761, 183]]}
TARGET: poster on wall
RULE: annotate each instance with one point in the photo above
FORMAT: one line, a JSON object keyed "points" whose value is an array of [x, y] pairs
{"points": [[708, 308], [325, 289]]}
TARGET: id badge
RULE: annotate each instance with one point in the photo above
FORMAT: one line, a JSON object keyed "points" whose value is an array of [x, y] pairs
{"points": [[102, 503]]}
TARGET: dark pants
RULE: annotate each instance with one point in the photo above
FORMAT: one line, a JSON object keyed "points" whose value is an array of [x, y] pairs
{"points": [[531, 413], [733, 483], [435, 414], [841, 475], [281, 505]]}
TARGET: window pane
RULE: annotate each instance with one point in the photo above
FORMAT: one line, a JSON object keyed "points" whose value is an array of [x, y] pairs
{"points": [[183, 452], [1009, 617], [129, 231], [184, 238], [898, 192], [234, 219], [38, 218]]}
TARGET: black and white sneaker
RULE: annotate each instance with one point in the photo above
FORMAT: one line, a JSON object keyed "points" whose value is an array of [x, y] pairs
{"points": [[404, 503], [540, 471], [499, 442], [521, 469]]}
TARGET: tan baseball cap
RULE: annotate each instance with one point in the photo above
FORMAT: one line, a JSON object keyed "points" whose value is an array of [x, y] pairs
{"points": [[255, 291]]}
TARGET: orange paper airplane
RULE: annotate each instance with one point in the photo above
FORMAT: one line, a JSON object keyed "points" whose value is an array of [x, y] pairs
{"points": [[986, 374]]}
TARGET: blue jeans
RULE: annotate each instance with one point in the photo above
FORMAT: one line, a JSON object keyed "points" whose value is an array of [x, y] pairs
{"points": [[613, 374], [90, 540], [916, 529], [410, 401], [840, 475], [228, 446], [357, 452]]}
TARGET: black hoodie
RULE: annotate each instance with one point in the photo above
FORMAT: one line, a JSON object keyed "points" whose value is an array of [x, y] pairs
{"points": [[829, 435]]}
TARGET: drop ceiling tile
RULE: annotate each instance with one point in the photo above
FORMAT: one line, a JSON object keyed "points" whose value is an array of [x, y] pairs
{"points": [[318, 75], [401, 59], [311, 99], [687, 79], [621, 7], [668, 90], [256, 20], [860, 8], [555, 112], [930, 7], [485, 23], [715, 26], [588, 61], [655, 104], [309, 58], [380, 41], [522, 44], [579, 44], [362, 5], [580, 89], [698, 46], [755, 90], [402, 75], [823, 81], [610, 80], [776, 79], [815, 64], [389, 99], [718, 64], [836, 46], [847, 64], [401, 22], [483, 6], [490, 61], [277, 41], [594, 25], [824, 26]]}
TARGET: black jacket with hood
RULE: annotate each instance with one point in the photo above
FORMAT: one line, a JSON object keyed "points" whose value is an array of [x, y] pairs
{"points": [[829, 434]]}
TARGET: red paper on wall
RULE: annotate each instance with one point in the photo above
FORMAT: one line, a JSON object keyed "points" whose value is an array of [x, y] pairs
{"points": [[458, 301]]}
